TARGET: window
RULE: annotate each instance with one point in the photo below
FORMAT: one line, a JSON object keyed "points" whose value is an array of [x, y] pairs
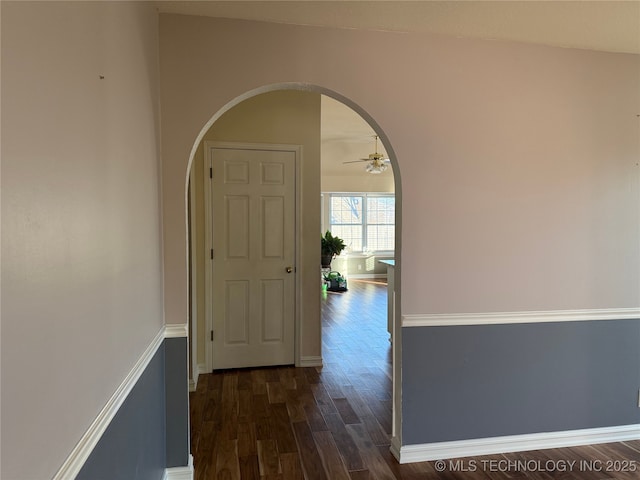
{"points": [[366, 222]]}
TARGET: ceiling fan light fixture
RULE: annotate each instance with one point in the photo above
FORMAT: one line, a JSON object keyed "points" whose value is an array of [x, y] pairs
{"points": [[376, 166], [376, 163]]}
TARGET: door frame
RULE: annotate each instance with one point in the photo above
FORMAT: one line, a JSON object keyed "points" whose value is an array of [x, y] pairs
{"points": [[208, 241], [196, 315]]}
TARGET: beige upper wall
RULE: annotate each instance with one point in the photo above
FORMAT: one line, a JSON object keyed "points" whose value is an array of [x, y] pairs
{"points": [[81, 252], [286, 117], [604, 25], [518, 163]]}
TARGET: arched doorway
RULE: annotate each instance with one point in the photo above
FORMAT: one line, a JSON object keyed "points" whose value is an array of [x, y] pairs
{"points": [[306, 355]]}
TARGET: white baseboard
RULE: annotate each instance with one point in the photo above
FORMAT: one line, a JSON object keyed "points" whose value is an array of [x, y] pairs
{"points": [[193, 382], [79, 455], [504, 318], [180, 473], [514, 443], [310, 362], [395, 448]]}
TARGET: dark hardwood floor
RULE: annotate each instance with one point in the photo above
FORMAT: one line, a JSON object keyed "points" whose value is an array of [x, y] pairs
{"points": [[334, 422]]}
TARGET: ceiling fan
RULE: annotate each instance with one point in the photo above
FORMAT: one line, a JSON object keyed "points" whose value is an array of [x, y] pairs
{"points": [[377, 163]]}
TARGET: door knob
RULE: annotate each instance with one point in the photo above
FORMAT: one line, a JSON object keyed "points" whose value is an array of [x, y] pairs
{"points": [[289, 269]]}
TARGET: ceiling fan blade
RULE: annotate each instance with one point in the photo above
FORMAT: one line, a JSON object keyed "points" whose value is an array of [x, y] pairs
{"points": [[358, 161]]}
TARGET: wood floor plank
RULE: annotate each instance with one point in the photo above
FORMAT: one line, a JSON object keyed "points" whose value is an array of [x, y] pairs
{"points": [[369, 452], [356, 401], [618, 461], [205, 462], [212, 406], [347, 447], [323, 400], [263, 429], [288, 378], [378, 436], [247, 439], [268, 458], [214, 382], [195, 439], [531, 456], [331, 459], [291, 467], [260, 406], [360, 475], [346, 411], [245, 405], [245, 380], [259, 381], [635, 444], [295, 406], [229, 420], [312, 375], [207, 439], [309, 455], [271, 375], [407, 471], [196, 408], [281, 428], [381, 410], [315, 419], [331, 385], [227, 466], [559, 458], [276, 392], [230, 387], [202, 386], [249, 467], [632, 445]]}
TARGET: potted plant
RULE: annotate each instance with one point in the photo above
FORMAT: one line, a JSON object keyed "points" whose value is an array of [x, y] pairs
{"points": [[331, 246]]}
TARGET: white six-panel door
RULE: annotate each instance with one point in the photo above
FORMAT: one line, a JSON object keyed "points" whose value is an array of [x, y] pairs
{"points": [[253, 274]]}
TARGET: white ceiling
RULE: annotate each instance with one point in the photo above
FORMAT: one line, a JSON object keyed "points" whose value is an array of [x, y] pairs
{"points": [[346, 137], [612, 26]]}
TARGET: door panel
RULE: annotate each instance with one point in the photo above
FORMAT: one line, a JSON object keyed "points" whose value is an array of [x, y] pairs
{"points": [[236, 320], [237, 220], [273, 312], [273, 243], [253, 205]]}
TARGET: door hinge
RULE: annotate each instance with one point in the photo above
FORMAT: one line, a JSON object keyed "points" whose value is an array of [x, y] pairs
{"points": [[212, 335], [212, 254], [210, 172]]}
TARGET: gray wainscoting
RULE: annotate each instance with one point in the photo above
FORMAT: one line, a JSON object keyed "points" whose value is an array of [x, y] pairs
{"points": [[466, 382], [133, 446], [177, 398], [150, 432]]}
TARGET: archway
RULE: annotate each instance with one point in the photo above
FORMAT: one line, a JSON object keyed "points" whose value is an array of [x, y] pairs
{"points": [[301, 360]]}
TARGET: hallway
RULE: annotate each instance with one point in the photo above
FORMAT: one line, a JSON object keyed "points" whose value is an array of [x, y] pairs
{"points": [[334, 422]]}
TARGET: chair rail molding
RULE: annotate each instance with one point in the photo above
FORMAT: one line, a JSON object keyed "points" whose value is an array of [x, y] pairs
{"points": [[506, 318]]}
